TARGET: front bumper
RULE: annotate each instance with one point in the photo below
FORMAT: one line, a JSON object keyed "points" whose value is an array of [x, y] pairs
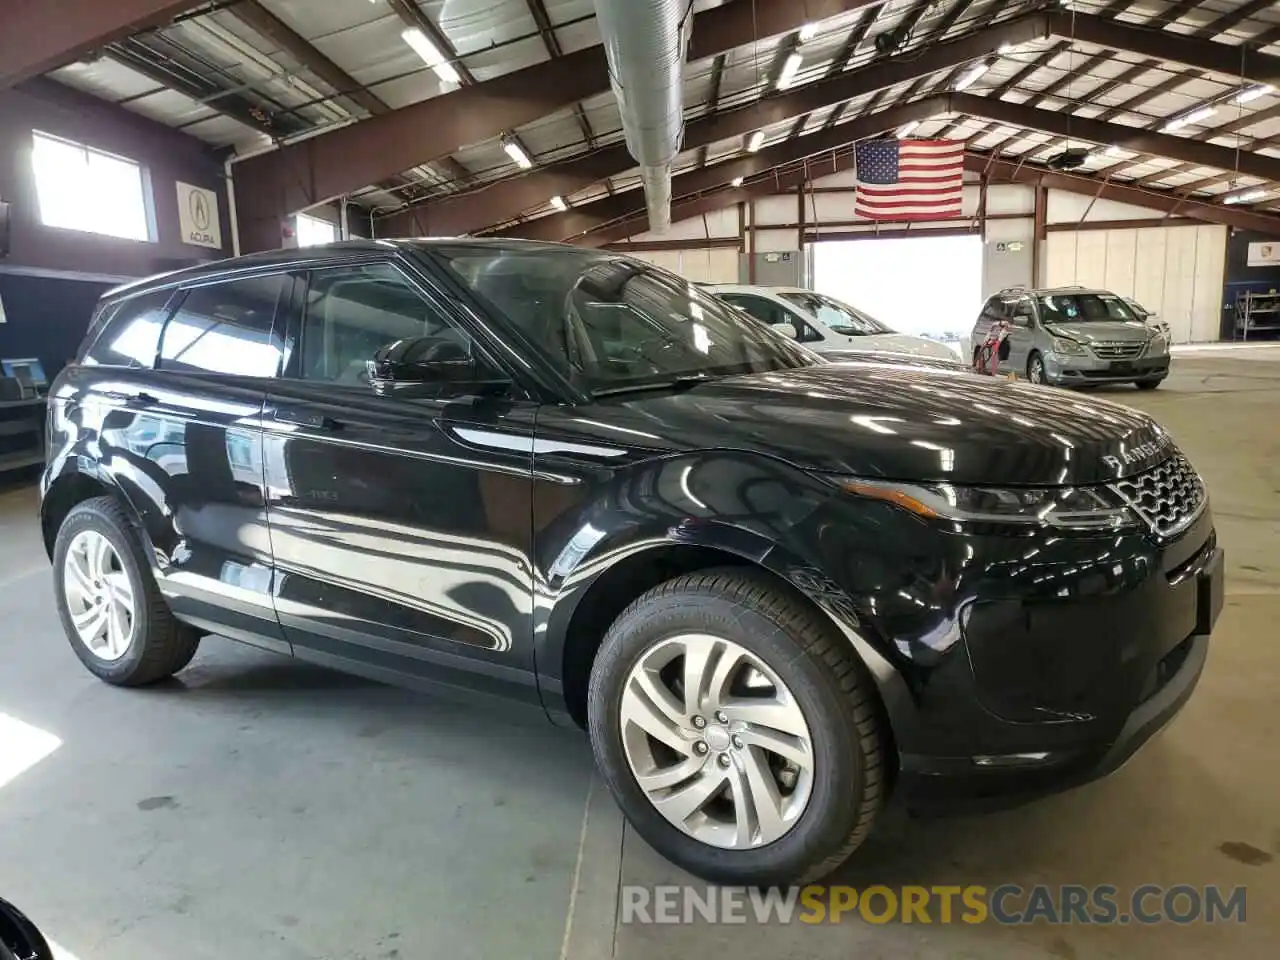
{"points": [[1069, 727], [1014, 664], [1067, 370]]}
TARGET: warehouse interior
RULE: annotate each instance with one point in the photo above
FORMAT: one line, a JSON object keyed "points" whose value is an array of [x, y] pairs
{"points": [[267, 808]]}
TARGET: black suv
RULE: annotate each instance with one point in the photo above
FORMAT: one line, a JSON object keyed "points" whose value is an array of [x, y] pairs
{"points": [[772, 588]]}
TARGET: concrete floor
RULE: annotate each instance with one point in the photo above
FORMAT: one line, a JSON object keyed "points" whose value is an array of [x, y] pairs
{"points": [[257, 807]]}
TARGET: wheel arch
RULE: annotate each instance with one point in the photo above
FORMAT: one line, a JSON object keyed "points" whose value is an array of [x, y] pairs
{"points": [[581, 615]]}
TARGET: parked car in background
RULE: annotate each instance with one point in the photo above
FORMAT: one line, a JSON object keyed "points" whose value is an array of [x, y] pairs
{"points": [[1151, 319], [823, 323], [771, 588], [1074, 336]]}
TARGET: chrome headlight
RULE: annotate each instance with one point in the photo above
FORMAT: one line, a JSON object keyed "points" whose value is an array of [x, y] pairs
{"points": [[1157, 345], [1067, 347], [1078, 508]]}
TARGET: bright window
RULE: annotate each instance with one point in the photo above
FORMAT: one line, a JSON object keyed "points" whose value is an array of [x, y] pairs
{"points": [[79, 188], [312, 232]]}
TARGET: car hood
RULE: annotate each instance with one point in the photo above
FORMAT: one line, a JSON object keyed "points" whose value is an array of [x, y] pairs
{"points": [[898, 422], [1106, 331]]}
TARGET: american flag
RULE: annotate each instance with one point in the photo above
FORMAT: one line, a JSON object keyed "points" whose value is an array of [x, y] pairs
{"points": [[909, 179]]}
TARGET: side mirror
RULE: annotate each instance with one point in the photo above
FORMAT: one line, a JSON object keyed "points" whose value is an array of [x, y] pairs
{"points": [[787, 330], [423, 366]]}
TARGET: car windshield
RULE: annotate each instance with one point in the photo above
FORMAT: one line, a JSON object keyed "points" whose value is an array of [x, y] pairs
{"points": [[1077, 307], [835, 315], [614, 324]]}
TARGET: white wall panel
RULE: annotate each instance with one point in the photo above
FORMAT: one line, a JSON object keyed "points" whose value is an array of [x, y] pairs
{"points": [[1010, 198], [1070, 208], [780, 209], [1179, 282], [1149, 280], [701, 265], [998, 230], [1211, 267], [771, 241], [719, 224], [1122, 259], [1176, 272]]}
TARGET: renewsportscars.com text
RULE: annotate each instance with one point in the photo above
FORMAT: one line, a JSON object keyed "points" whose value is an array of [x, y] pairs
{"points": [[1007, 904]]}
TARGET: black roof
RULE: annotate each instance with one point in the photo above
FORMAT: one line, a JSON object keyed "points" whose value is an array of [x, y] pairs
{"points": [[304, 256]]}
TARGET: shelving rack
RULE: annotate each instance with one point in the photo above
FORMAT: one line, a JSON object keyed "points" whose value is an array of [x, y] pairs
{"points": [[1256, 311]]}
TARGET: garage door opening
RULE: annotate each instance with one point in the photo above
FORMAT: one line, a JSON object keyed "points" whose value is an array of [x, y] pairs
{"points": [[928, 286]]}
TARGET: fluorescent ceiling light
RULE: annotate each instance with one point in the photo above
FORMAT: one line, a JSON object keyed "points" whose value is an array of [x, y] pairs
{"points": [[807, 32], [1113, 151], [735, 182], [789, 70], [1253, 93], [1195, 116], [558, 202], [516, 153], [431, 55], [1247, 197], [970, 76], [754, 141], [1006, 48], [907, 128]]}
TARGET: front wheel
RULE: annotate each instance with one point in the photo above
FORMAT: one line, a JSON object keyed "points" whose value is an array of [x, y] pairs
{"points": [[1149, 384], [112, 611], [1035, 369], [736, 730]]}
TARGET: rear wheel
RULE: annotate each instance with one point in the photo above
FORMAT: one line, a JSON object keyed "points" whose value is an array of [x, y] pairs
{"points": [[112, 611], [736, 731]]}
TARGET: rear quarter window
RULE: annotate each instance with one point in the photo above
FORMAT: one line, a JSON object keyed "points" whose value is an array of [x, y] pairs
{"points": [[129, 332]]}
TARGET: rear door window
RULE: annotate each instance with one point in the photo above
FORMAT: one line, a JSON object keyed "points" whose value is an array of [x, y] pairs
{"points": [[772, 313], [130, 332], [227, 328]]}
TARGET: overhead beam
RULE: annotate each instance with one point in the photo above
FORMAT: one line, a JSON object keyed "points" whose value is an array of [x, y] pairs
{"points": [[1015, 171], [1006, 171], [297, 46], [591, 216], [272, 185], [1105, 133], [496, 202], [1163, 45], [41, 35]]}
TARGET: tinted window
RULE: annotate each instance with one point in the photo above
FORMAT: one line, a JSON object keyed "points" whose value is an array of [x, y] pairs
{"points": [[226, 328], [772, 313], [612, 323], [1076, 307], [838, 316], [352, 312], [131, 332]]}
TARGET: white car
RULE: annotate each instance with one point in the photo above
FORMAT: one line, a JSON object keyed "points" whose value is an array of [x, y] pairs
{"points": [[823, 323]]}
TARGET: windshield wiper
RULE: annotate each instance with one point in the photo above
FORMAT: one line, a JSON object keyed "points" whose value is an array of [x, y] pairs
{"points": [[674, 383]]}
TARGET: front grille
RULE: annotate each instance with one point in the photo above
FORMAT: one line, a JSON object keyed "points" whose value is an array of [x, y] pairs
{"points": [[1168, 497], [1116, 349]]}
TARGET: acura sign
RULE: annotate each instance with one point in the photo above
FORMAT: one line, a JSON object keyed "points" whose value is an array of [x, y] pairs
{"points": [[198, 216]]}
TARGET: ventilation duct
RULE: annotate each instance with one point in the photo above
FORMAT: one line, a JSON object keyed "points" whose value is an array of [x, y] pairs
{"points": [[645, 41]]}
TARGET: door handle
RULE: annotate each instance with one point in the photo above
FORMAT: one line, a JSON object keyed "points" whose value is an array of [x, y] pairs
{"points": [[315, 420]]}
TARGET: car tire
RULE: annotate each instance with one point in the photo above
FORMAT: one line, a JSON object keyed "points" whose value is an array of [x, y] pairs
{"points": [[1148, 384], [1035, 368], [798, 654], [112, 611]]}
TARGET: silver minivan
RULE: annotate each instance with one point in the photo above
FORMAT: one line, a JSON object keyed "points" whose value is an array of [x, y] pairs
{"points": [[1075, 336]]}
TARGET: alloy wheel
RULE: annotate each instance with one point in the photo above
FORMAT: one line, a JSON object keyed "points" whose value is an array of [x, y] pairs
{"points": [[1036, 374], [716, 741], [99, 595]]}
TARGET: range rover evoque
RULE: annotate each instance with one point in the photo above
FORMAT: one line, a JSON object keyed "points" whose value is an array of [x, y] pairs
{"points": [[773, 589]]}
